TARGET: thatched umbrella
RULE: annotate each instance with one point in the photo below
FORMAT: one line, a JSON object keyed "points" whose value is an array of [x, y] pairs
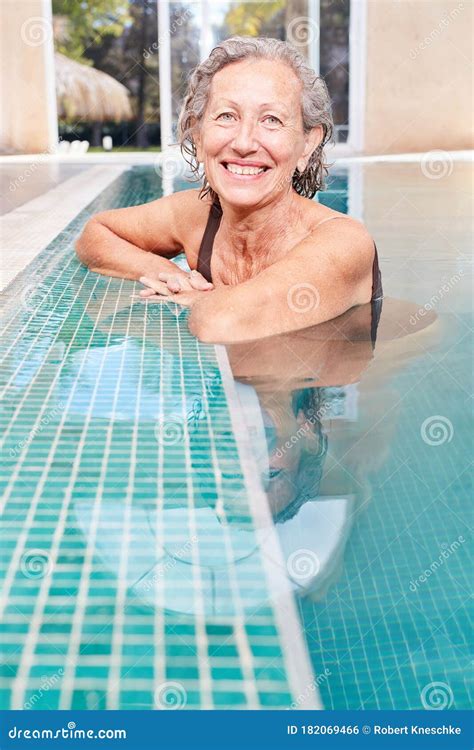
{"points": [[88, 94]]}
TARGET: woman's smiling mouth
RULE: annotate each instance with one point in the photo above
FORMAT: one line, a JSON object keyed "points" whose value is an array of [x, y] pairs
{"points": [[246, 171]]}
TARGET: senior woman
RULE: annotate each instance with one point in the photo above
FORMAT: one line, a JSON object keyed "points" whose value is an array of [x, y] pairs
{"points": [[264, 258]]}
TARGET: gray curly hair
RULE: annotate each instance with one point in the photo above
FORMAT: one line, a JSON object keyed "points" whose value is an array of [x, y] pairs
{"points": [[315, 105]]}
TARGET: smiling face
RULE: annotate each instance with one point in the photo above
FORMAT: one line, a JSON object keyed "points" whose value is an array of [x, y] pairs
{"points": [[251, 138]]}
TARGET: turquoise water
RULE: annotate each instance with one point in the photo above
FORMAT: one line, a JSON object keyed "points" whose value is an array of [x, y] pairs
{"points": [[383, 631], [123, 583], [138, 570]]}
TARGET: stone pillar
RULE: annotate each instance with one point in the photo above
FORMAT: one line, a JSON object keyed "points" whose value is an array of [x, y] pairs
{"points": [[28, 118]]}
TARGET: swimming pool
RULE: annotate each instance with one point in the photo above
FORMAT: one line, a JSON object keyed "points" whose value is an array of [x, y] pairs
{"points": [[174, 540]]}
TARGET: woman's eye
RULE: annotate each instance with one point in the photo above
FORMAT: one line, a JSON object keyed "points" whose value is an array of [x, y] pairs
{"points": [[274, 120], [274, 473], [225, 115]]}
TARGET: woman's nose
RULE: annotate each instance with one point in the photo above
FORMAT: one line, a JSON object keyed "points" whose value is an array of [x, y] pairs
{"points": [[245, 137]]}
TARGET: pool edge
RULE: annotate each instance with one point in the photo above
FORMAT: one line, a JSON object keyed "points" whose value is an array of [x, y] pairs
{"points": [[21, 245], [295, 653]]}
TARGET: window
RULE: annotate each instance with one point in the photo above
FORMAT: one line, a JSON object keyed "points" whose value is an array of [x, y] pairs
{"points": [[318, 28]]}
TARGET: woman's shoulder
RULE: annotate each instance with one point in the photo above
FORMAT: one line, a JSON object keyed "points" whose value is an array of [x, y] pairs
{"points": [[318, 215], [324, 220], [345, 237], [188, 206], [190, 218]]}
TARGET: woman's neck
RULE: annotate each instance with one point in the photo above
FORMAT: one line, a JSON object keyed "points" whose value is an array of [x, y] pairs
{"points": [[256, 232]]}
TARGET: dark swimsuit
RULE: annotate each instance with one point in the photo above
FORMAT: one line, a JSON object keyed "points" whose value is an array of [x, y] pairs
{"points": [[205, 254]]}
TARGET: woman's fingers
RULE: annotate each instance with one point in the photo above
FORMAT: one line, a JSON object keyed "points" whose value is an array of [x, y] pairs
{"points": [[185, 281], [148, 292], [176, 282], [154, 286], [162, 290], [199, 282]]}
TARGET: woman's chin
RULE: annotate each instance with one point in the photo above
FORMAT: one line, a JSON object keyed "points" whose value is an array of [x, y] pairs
{"points": [[236, 199], [241, 197], [241, 190]]}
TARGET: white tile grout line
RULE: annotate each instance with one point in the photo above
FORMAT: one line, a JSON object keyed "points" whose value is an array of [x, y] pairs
{"points": [[28, 229], [295, 653]]}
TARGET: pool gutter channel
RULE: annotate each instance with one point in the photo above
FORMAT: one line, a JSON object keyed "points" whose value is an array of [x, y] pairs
{"points": [[301, 678]]}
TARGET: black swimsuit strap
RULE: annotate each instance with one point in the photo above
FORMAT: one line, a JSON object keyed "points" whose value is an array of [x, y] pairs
{"points": [[205, 251], [377, 291], [377, 298]]}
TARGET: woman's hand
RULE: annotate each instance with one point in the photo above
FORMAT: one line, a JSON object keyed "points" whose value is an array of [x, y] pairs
{"points": [[181, 287]]}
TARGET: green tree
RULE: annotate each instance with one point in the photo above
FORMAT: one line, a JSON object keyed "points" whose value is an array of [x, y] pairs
{"points": [[185, 52], [120, 37], [88, 21], [249, 18]]}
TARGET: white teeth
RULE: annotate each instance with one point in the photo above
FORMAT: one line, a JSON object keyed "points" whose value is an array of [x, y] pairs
{"points": [[236, 169]]}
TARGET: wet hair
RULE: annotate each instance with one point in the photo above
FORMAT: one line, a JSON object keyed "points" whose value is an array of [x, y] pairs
{"points": [[315, 104]]}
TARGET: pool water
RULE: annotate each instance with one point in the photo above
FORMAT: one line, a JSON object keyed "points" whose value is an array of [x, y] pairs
{"points": [[161, 520], [124, 584], [385, 629]]}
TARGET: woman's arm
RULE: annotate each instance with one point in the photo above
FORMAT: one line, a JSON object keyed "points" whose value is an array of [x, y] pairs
{"points": [[138, 241], [322, 277]]}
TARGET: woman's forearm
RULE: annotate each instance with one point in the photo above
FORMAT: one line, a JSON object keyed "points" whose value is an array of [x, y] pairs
{"points": [[223, 315], [104, 252]]}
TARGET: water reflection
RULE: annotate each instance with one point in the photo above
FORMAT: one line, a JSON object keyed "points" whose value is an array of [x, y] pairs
{"points": [[319, 408]]}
